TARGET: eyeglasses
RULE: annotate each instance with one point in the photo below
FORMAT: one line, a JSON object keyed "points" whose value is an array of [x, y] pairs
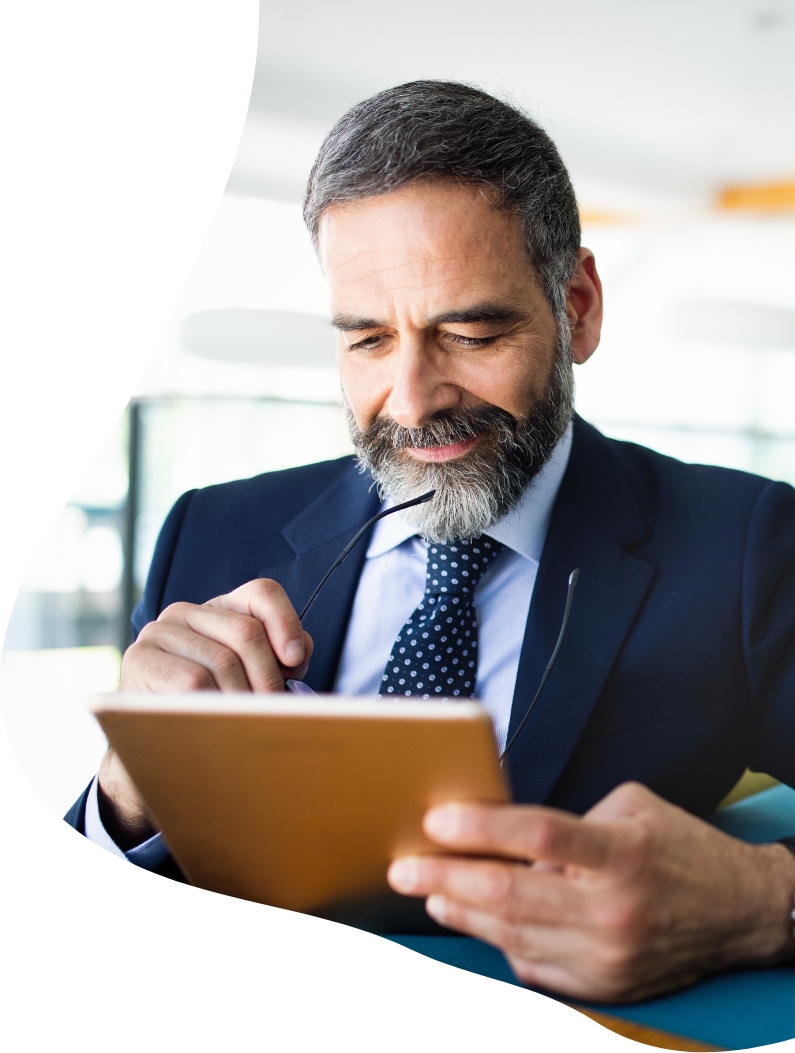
{"points": [[564, 625], [356, 539], [299, 688]]}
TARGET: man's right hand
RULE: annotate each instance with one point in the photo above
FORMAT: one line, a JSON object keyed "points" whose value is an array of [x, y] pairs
{"points": [[248, 640]]}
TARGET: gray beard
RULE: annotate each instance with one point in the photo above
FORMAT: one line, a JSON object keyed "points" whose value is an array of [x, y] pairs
{"points": [[476, 490]]}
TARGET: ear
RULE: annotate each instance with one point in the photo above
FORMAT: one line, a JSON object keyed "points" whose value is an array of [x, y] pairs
{"points": [[584, 307]]}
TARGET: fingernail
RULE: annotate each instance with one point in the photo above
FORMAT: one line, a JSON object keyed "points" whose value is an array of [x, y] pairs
{"points": [[402, 875], [294, 652], [442, 823], [435, 905]]}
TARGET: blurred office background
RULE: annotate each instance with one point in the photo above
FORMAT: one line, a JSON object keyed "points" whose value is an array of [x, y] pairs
{"points": [[677, 122]]}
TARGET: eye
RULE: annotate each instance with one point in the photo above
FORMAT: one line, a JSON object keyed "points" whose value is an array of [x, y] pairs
{"points": [[369, 343], [471, 342]]}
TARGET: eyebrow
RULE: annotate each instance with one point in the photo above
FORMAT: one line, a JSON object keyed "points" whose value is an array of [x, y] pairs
{"points": [[479, 313], [348, 323]]}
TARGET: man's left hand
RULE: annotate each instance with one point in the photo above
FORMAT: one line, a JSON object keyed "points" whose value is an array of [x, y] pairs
{"points": [[634, 898]]}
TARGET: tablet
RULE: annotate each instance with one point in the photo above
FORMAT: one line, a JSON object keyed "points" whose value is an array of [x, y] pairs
{"points": [[301, 802]]}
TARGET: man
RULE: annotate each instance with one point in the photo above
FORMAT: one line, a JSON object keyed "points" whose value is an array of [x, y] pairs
{"points": [[448, 231]]}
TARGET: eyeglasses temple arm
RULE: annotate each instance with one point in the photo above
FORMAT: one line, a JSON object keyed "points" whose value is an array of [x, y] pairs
{"points": [[357, 537], [569, 598]]}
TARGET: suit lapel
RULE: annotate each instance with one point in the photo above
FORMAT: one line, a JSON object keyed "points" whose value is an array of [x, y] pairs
{"points": [[317, 535], [596, 517]]}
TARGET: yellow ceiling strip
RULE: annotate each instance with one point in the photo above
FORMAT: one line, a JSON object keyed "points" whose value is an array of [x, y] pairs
{"points": [[589, 216], [764, 197]]}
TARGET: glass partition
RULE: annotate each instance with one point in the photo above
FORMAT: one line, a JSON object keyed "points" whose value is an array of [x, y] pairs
{"points": [[92, 568]]}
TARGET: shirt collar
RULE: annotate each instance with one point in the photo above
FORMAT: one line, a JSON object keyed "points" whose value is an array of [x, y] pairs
{"points": [[523, 529]]}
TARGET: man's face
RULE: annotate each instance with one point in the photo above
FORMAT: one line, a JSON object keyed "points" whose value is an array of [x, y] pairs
{"points": [[454, 373], [436, 306]]}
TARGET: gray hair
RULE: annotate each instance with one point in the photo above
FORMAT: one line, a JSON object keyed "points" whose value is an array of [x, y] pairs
{"points": [[430, 129]]}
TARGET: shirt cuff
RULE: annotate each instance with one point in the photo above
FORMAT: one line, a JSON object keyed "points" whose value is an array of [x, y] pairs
{"points": [[146, 855]]}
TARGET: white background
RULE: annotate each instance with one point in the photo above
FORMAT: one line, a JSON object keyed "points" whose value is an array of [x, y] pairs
{"points": [[120, 125]]}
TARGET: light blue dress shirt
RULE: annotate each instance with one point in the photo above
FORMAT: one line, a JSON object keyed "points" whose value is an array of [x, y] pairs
{"points": [[391, 586]]}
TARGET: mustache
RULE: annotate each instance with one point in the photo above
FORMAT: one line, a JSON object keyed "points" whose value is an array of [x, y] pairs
{"points": [[443, 429]]}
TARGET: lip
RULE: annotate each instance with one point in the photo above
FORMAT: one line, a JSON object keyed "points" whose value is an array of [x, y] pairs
{"points": [[442, 453]]}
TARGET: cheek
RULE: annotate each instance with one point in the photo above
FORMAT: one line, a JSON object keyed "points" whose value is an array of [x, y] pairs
{"points": [[365, 388], [513, 380]]}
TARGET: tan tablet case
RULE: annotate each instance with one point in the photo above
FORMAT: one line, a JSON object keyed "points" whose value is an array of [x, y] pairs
{"points": [[301, 802]]}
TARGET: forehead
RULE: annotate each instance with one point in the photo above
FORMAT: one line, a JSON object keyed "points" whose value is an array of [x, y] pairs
{"points": [[435, 240]]}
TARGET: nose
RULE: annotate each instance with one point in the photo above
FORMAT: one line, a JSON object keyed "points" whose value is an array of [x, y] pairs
{"points": [[420, 388]]}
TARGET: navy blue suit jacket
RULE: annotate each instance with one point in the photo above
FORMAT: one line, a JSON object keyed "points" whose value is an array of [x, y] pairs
{"points": [[678, 668]]}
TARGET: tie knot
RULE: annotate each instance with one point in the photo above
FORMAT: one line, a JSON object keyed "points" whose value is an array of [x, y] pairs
{"points": [[457, 567]]}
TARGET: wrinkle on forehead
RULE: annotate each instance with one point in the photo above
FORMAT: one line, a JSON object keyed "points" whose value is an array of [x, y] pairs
{"points": [[439, 222], [373, 264], [436, 284], [424, 251]]}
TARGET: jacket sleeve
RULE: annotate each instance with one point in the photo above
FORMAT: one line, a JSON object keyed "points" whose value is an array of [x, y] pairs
{"points": [[151, 602], [768, 583]]}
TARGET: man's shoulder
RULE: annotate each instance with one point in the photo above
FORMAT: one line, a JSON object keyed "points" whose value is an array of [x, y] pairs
{"points": [[216, 538], [278, 495], [658, 478], [631, 493]]}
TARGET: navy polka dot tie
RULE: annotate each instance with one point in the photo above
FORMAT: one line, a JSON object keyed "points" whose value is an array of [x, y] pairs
{"points": [[436, 652]]}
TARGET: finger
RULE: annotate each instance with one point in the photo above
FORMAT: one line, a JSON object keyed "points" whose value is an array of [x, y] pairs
{"points": [[553, 946], [571, 960], [527, 832], [203, 637], [267, 601], [298, 672], [509, 890], [149, 667], [207, 645], [478, 923], [510, 937], [237, 647]]}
